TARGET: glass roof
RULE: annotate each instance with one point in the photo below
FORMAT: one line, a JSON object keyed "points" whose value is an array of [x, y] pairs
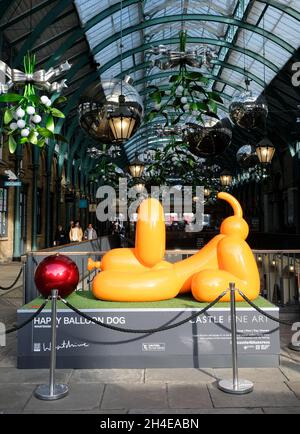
{"points": [[258, 36]]}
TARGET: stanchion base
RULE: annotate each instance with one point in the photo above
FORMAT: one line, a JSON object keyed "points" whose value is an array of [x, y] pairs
{"points": [[294, 347], [43, 392], [243, 387]]}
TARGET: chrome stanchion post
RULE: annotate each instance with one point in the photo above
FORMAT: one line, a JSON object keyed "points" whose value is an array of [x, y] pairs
{"points": [[52, 391], [294, 345], [234, 386]]}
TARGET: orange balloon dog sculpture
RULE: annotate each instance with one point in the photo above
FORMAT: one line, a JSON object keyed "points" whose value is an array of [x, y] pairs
{"points": [[141, 274]]}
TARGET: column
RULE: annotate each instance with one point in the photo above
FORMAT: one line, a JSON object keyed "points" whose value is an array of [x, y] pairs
{"points": [[58, 200], [35, 168], [17, 212], [48, 212]]}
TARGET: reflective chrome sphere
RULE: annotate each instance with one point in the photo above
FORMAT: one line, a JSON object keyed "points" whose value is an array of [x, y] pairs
{"points": [[102, 100], [249, 110], [247, 157], [209, 141]]}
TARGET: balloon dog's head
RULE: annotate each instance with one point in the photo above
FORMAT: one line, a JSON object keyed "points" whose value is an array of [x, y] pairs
{"points": [[234, 225]]}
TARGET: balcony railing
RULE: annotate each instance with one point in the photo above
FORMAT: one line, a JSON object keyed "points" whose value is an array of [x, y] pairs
{"points": [[279, 271]]}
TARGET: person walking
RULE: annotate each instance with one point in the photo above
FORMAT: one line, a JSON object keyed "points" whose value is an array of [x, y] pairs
{"points": [[72, 224], [90, 233], [76, 233], [60, 236]]}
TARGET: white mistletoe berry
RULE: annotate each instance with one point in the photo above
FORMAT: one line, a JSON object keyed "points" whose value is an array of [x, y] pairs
{"points": [[184, 100], [21, 124], [13, 126], [48, 103], [37, 119], [180, 89], [20, 113], [186, 107], [25, 132], [44, 99], [30, 110]]}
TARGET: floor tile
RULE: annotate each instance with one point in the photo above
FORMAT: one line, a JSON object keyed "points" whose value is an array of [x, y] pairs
{"points": [[190, 376], [189, 396], [264, 395], [128, 396], [81, 397], [107, 376]]}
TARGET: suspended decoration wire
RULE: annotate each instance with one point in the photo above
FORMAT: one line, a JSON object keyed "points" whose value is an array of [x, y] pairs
{"points": [[248, 109], [170, 59], [123, 121], [265, 150], [111, 111]]}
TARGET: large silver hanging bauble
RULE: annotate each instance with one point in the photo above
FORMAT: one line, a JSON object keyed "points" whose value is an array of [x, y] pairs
{"points": [[206, 141], [249, 110], [102, 99], [247, 157]]}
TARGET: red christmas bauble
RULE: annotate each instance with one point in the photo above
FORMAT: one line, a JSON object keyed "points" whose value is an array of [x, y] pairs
{"points": [[56, 272]]}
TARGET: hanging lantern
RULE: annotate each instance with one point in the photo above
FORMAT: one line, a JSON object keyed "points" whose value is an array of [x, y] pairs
{"points": [[249, 110], [93, 120], [139, 187], [111, 111], [265, 151], [122, 121], [226, 178], [136, 167], [291, 268], [209, 140], [207, 192], [247, 157]]}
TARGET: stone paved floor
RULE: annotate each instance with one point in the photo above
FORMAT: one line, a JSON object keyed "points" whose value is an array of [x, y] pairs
{"points": [[152, 391]]}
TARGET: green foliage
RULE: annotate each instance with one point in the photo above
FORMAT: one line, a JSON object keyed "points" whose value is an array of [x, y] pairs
{"points": [[174, 160], [50, 123], [186, 84], [32, 138], [10, 97], [8, 116], [107, 172], [12, 144], [44, 132], [38, 131], [57, 113]]}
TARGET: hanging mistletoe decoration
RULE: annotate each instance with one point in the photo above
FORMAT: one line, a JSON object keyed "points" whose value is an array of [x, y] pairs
{"points": [[187, 94], [29, 117]]}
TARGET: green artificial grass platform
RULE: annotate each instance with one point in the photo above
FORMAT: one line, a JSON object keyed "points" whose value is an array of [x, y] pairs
{"points": [[86, 300]]}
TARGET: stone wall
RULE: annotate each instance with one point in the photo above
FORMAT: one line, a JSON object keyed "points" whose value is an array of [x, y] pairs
{"points": [[7, 161]]}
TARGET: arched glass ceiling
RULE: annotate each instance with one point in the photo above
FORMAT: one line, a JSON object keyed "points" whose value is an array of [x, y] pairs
{"points": [[142, 21], [258, 36], [261, 35]]}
